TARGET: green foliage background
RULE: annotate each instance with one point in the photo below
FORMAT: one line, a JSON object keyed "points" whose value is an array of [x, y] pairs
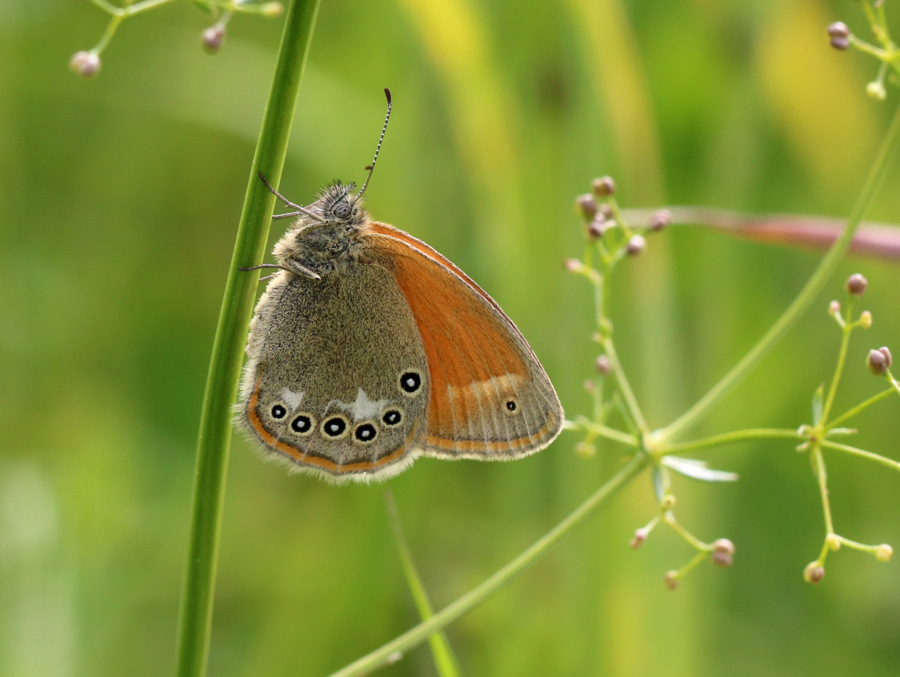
{"points": [[119, 202]]}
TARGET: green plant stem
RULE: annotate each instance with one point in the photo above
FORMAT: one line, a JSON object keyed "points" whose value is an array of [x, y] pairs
{"points": [[237, 305], [860, 407], [467, 602], [822, 479], [855, 451], [846, 329], [730, 438], [444, 658], [803, 300]]}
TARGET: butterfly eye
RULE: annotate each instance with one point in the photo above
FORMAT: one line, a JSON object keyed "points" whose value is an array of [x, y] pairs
{"points": [[410, 382], [365, 432], [278, 411], [334, 427], [392, 417], [511, 406], [343, 210], [303, 424]]}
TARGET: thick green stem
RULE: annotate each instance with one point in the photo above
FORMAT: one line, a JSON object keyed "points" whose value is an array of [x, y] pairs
{"points": [[813, 287], [225, 364], [477, 595]]}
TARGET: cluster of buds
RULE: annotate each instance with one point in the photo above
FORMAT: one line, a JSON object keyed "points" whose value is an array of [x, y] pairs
{"points": [[599, 213]]}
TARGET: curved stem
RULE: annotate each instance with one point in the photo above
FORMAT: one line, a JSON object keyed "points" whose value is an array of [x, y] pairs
{"points": [[478, 594], [815, 285], [730, 438], [225, 364]]}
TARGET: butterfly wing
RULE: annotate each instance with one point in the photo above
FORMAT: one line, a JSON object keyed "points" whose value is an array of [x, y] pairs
{"points": [[489, 396], [336, 379]]}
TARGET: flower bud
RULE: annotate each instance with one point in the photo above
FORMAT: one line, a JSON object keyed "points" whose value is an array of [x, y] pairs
{"points": [[839, 43], [723, 545], [604, 186], [606, 211], [635, 245], [865, 319], [874, 89], [640, 535], [879, 361], [589, 385], [573, 265], [585, 449], [722, 559], [586, 206], [660, 219], [838, 30], [884, 552], [602, 365], [813, 573], [856, 284], [671, 579], [85, 64], [597, 227], [834, 308], [213, 37], [833, 541], [270, 10]]}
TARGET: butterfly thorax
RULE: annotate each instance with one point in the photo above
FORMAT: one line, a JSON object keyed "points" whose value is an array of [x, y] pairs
{"points": [[325, 240]]}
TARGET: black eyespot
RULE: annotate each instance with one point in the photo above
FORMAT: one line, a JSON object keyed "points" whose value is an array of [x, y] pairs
{"points": [[302, 424], [392, 417], [365, 432], [334, 427], [511, 406], [278, 411], [410, 382]]}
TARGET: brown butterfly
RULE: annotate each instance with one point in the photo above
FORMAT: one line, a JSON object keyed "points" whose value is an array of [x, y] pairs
{"points": [[369, 348]]}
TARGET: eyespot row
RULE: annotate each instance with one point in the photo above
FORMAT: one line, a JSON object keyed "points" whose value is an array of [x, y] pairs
{"points": [[338, 426]]}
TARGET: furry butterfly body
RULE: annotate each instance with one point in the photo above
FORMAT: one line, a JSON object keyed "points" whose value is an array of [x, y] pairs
{"points": [[369, 349]]}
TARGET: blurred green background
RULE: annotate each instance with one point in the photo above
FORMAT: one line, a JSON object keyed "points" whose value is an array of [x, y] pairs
{"points": [[119, 202]]}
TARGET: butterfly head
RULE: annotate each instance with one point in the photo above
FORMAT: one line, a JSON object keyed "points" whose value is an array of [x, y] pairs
{"points": [[323, 237]]}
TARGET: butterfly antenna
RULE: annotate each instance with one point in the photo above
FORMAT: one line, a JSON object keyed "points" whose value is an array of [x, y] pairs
{"points": [[371, 167]]}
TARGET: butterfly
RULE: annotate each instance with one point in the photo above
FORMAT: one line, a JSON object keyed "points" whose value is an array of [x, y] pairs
{"points": [[369, 348]]}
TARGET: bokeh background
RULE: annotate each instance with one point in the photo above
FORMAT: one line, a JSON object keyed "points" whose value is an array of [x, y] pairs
{"points": [[118, 208]]}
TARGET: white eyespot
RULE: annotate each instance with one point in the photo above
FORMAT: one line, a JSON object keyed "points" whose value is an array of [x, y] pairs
{"points": [[278, 411], [365, 432], [303, 424], [411, 382], [334, 427], [392, 417]]}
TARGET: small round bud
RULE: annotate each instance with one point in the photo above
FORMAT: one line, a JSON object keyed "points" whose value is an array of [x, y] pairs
{"points": [[660, 219], [589, 385], [270, 10], [671, 579], [722, 559], [833, 541], [724, 546], [597, 227], [879, 361], [813, 573], [85, 64], [865, 319], [839, 43], [573, 265], [856, 284], [838, 30], [586, 206], [874, 89], [602, 365], [585, 450], [605, 211], [604, 186], [213, 37], [834, 308], [668, 502], [635, 245], [640, 535], [884, 552]]}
